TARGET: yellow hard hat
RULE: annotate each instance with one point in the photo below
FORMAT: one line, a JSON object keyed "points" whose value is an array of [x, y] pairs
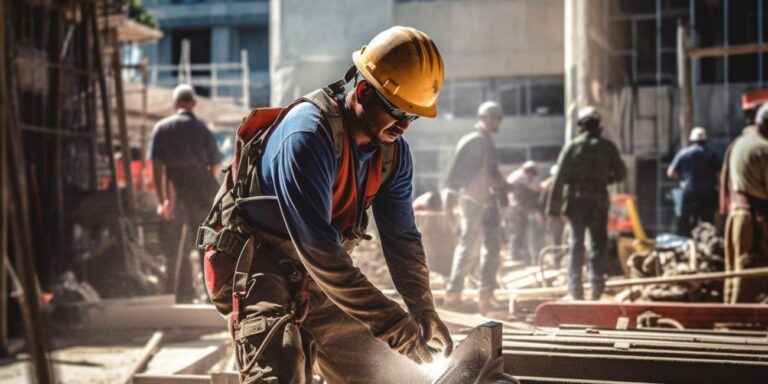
{"points": [[404, 65]]}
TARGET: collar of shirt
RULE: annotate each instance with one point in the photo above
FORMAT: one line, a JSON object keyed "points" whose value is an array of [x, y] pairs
{"points": [[184, 111], [361, 154]]}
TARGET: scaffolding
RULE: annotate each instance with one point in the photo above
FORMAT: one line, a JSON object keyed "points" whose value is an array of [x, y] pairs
{"points": [[58, 123], [186, 72], [644, 78]]}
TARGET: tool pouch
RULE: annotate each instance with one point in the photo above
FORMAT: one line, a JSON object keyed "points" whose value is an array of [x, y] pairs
{"points": [[257, 336]]}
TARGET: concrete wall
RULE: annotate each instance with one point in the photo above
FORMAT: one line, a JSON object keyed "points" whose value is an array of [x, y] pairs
{"points": [[492, 38], [311, 42]]}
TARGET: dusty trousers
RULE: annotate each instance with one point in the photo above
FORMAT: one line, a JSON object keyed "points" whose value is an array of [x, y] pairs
{"points": [[480, 222], [517, 228], [179, 272], [335, 345], [746, 246]]}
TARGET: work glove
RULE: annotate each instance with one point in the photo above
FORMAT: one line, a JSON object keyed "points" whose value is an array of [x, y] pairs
{"points": [[405, 337], [435, 332]]}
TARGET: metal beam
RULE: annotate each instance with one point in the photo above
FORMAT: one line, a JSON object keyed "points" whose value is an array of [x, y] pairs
{"points": [[690, 315], [732, 50], [630, 368]]}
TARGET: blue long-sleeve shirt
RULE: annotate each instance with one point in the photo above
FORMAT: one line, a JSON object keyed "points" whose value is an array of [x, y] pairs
{"points": [[298, 167]]}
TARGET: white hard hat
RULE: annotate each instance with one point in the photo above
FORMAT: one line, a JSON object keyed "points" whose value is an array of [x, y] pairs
{"points": [[530, 164], [489, 108], [553, 169], [183, 92], [698, 134], [762, 115], [588, 113]]}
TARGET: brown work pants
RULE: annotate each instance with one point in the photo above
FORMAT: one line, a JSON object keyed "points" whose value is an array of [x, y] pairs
{"points": [[335, 345], [746, 246]]}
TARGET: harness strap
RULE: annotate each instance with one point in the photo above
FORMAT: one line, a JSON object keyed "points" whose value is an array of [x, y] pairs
{"points": [[240, 278], [226, 240]]}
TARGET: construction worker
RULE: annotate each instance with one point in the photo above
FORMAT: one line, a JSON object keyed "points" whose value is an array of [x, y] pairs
{"points": [[523, 195], [698, 168], [325, 159], [744, 184], [185, 163], [586, 166], [475, 181]]}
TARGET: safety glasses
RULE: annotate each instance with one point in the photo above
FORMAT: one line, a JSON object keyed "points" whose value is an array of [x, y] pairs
{"points": [[396, 113]]}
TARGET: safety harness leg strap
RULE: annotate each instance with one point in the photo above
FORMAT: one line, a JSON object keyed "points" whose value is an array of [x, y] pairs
{"points": [[240, 278]]}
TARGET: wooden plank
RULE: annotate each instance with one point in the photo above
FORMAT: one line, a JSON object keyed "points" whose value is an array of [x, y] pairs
{"points": [[150, 349], [214, 378], [196, 357], [171, 379], [154, 317], [203, 363]]}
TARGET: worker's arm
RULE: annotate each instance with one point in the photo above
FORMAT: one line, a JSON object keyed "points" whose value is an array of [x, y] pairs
{"points": [[672, 174], [403, 250], [213, 154], [554, 201], [673, 171], [400, 239], [302, 172], [159, 176]]}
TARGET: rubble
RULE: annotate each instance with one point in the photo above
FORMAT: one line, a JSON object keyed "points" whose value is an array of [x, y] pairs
{"points": [[675, 256]]}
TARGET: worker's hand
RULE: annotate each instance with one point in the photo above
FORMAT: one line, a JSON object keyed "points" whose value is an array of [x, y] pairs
{"points": [[435, 332], [165, 210], [405, 338]]}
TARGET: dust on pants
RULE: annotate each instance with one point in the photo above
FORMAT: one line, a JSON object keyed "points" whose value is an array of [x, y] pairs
{"points": [[190, 214], [592, 218], [517, 221], [339, 347], [478, 220], [746, 246]]}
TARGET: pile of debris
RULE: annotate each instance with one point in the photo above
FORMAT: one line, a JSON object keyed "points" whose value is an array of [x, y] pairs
{"points": [[674, 256]]}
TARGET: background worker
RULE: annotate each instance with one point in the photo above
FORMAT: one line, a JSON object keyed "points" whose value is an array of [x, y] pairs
{"points": [[698, 168], [185, 163], [745, 184], [523, 194], [586, 165], [303, 286], [475, 181]]}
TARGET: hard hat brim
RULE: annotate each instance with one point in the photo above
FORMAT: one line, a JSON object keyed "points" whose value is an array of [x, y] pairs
{"points": [[399, 102]]}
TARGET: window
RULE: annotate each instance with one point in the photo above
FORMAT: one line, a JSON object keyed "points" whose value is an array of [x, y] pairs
{"points": [[256, 41], [466, 97], [513, 99], [547, 98], [542, 96]]}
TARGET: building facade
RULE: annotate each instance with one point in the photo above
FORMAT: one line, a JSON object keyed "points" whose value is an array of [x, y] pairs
{"points": [[510, 51], [218, 31]]}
